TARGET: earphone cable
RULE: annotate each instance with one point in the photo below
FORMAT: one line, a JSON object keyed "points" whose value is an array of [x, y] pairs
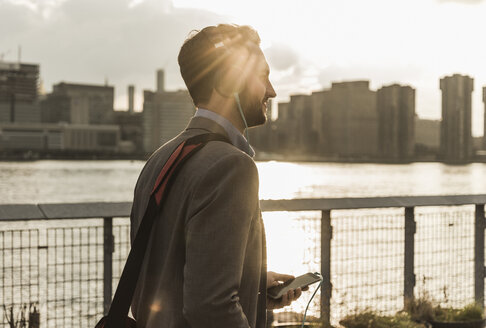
{"points": [[308, 303], [238, 103]]}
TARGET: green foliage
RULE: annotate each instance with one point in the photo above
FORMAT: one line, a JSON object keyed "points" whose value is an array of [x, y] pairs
{"points": [[471, 312], [420, 309], [369, 319], [423, 309]]}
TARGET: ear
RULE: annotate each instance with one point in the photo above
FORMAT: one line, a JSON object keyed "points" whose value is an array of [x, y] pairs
{"points": [[230, 80]]}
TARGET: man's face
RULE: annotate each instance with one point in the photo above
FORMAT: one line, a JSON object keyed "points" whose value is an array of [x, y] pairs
{"points": [[257, 90]]}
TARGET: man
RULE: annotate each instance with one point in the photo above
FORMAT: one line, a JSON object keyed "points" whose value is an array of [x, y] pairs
{"points": [[206, 261]]}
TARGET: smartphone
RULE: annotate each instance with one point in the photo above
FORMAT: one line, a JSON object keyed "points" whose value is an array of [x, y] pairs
{"points": [[300, 282]]}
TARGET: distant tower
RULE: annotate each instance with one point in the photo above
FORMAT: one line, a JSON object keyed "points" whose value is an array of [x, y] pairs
{"points": [[19, 91], [165, 114], [160, 81], [131, 92], [455, 131], [347, 117], [484, 133], [396, 121]]}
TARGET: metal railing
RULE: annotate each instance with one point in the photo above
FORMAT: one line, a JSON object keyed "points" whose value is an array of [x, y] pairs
{"points": [[65, 259]]}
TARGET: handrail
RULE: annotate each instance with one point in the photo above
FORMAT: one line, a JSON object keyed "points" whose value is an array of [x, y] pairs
{"points": [[110, 210], [25, 212]]}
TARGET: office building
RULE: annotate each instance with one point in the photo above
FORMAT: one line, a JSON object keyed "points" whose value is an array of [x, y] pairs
{"points": [[79, 104], [131, 99], [264, 137], [43, 137], [346, 120], [484, 131], [396, 117], [455, 135], [295, 125], [285, 122], [427, 136], [19, 85], [131, 130], [165, 114]]}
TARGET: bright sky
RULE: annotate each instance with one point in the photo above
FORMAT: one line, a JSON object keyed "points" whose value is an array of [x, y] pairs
{"points": [[411, 42], [308, 43]]}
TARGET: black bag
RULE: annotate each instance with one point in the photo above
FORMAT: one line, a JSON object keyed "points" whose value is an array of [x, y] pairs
{"points": [[118, 314]]}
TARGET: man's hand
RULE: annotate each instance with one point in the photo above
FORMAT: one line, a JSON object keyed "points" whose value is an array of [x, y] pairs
{"points": [[274, 279]]}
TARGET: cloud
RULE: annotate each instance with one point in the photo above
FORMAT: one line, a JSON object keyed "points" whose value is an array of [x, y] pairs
{"points": [[90, 40]]}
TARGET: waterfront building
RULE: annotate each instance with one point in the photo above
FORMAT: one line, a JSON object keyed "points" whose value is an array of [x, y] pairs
{"points": [[79, 104], [19, 84], [165, 114], [59, 137], [484, 131], [130, 123], [294, 126], [346, 119], [264, 137], [305, 136], [286, 128], [427, 136], [455, 134], [131, 99], [320, 119], [131, 130], [396, 117]]}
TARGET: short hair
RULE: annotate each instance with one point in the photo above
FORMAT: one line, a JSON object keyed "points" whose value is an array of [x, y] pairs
{"points": [[204, 52]]}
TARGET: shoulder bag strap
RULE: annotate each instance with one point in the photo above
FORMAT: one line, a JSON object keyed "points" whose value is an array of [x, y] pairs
{"points": [[117, 315]]}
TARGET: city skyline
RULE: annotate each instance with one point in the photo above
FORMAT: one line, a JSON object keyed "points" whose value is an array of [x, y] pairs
{"points": [[407, 42]]}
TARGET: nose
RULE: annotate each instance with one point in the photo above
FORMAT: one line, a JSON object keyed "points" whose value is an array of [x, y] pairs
{"points": [[270, 91]]}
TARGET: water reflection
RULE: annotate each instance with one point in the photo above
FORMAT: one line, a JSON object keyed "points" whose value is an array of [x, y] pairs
{"points": [[82, 181]]}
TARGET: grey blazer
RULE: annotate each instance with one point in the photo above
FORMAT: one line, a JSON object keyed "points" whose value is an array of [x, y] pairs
{"points": [[206, 260]]}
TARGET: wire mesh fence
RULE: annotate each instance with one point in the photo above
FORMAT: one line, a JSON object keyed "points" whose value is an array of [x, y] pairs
{"points": [[444, 257], [367, 258], [58, 268], [20, 290], [367, 262]]}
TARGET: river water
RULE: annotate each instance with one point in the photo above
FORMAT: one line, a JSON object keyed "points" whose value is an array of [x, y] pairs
{"points": [[82, 181], [293, 238]]}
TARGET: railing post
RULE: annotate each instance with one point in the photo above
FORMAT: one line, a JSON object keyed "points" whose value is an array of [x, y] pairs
{"points": [[409, 274], [108, 249], [326, 289], [479, 226]]}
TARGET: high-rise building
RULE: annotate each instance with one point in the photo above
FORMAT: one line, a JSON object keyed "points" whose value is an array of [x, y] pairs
{"points": [[427, 133], [396, 117], [19, 84], [294, 125], [286, 124], [346, 120], [264, 137], [131, 99], [79, 104], [160, 81], [165, 114], [301, 107], [484, 131], [455, 132]]}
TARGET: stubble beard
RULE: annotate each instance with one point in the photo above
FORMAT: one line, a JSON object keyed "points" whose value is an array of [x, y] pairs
{"points": [[254, 110]]}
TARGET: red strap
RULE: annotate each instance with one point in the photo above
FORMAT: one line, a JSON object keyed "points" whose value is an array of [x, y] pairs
{"points": [[178, 155], [168, 165]]}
